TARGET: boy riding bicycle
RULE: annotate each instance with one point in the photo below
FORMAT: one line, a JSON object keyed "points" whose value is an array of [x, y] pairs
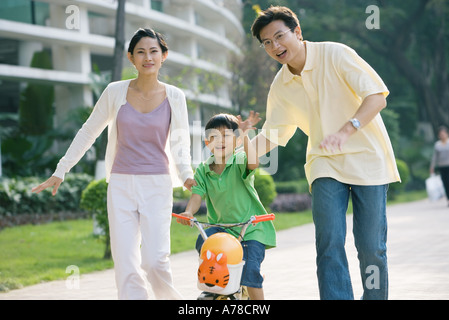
{"points": [[226, 180]]}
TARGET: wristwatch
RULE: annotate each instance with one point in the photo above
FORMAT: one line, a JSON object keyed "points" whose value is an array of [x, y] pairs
{"points": [[355, 123]]}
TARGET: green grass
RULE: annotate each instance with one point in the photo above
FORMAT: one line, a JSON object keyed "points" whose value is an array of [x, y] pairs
{"points": [[33, 254]]}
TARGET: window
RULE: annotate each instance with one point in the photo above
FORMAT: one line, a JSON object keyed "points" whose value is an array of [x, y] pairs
{"points": [[157, 5]]}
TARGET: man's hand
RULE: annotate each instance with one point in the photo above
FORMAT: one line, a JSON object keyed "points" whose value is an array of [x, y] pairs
{"points": [[336, 141]]}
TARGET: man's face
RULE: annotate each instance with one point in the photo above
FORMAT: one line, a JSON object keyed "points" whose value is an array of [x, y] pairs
{"points": [[282, 43]]}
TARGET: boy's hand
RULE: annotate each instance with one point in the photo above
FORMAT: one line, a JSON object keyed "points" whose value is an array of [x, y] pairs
{"points": [[249, 123], [183, 221]]}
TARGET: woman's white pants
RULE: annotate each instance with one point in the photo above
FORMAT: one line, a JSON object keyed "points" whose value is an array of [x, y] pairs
{"points": [[139, 211]]}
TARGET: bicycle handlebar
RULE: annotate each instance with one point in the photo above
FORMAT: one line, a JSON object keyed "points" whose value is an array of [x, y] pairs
{"points": [[181, 217], [264, 217], [254, 219], [244, 225]]}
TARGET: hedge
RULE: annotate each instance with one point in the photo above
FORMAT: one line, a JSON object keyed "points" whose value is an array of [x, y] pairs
{"points": [[20, 206], [93, 199], [17, 201]]}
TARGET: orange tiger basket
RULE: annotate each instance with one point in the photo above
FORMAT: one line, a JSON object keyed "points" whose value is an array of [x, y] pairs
{"points": [[220, 263]]}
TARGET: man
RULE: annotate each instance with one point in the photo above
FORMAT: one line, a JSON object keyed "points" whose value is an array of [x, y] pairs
{"points": [[334, 97]]}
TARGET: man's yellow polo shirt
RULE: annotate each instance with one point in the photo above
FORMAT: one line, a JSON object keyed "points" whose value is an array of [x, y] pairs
{"points": [[331, 88], [232, 198]]}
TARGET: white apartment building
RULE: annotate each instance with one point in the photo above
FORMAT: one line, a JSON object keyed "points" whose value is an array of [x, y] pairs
{"points": [[79, 34]]}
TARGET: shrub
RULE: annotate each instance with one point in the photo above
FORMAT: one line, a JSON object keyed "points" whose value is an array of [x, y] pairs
{"points": [[292, 202], [16, 197], [94, 200], [397, 187], [180, 194], [295, 186], [265, 187]]}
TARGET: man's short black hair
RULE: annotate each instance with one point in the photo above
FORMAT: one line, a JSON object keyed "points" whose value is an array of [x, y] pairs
{"points": [[272, 14]]}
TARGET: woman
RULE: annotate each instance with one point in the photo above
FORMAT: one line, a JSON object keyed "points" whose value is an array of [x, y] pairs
{"points": [[142, 114], [440, 159]]}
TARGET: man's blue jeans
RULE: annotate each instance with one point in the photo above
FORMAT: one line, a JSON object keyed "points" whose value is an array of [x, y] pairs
{"points": [[329, 205]]}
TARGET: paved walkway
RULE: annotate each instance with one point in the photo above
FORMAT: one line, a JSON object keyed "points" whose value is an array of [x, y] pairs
{"points": [[418, 253]]}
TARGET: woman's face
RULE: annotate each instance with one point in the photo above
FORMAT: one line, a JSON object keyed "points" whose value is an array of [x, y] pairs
{"points": [[443, 135], [147, 56]]}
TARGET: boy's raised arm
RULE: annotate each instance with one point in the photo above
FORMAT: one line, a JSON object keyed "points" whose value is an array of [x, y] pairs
{"points": [[244, 127], [251, 154]]}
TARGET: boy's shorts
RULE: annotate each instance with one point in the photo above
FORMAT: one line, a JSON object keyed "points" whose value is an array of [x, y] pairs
{"points": [[253, 255]]}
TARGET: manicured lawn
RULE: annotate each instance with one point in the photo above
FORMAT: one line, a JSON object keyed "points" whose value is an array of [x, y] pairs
{"points": [[32, 254]]}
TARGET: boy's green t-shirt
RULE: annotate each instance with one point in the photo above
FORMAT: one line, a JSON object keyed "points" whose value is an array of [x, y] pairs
{"points": [[231, 197]]}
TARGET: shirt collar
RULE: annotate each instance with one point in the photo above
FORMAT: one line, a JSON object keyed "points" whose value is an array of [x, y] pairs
{"points": [[211, 160], [310, 63]]}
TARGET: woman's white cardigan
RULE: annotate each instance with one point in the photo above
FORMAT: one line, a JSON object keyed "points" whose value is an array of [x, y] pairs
{"points": [[105, 114]]}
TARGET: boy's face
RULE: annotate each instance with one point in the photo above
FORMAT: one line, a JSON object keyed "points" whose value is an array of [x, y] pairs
{"points": [[284, 43], [221, 142]]}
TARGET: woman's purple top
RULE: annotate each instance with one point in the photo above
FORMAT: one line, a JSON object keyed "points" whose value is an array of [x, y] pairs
{"points": [[141, 140]]}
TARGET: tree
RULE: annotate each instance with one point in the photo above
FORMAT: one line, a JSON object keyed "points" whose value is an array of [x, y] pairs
{"points": [[119, 41], [252, 71], [117, 66], [412, 39]]}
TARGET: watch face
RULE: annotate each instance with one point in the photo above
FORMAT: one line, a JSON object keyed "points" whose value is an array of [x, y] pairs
{"points": [[355, 123]]}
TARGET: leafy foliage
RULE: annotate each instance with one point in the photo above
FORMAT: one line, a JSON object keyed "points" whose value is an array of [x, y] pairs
{"points": [[94, 199], [404, 172], [265, 187], [16, 196]]}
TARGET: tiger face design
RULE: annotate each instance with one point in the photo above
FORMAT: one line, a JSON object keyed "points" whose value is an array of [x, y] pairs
{"points": [[213, 271]]}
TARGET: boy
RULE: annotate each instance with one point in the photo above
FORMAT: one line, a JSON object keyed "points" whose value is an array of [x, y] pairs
{"points": [[335, 98], [226, 180]]}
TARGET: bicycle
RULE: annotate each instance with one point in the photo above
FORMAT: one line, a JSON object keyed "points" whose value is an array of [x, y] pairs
{"points": [[221, 263]]}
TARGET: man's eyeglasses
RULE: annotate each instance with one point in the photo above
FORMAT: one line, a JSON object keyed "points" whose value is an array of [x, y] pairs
{"points": [[279, 37]]}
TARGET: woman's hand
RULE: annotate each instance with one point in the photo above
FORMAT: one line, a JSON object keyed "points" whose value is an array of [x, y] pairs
{"points": [[53, 181], [190, 183]]}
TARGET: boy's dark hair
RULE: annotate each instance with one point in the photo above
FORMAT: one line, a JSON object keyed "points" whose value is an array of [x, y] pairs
{"points": [[272, 14], [222, 120]]}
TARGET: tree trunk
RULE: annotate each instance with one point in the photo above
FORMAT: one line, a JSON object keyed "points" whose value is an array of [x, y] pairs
{"points": [[117, 64], [119, 41]]}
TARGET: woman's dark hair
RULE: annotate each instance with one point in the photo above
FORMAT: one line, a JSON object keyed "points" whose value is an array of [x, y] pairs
{"points": [[272, 14], [443, 128], [222, 120], [142, 33]]}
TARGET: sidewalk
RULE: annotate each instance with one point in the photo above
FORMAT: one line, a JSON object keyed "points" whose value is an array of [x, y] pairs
{"points": [[418, 253]]}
